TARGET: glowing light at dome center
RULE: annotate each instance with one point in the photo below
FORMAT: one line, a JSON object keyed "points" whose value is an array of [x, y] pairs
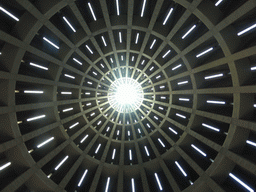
{"points": [[125, 95]]}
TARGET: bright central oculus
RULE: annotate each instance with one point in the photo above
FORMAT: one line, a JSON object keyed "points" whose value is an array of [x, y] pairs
{"points": [[125, 95]]}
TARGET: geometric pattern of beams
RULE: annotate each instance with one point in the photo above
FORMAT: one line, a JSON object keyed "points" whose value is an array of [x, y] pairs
{"points": [[195, 129]]}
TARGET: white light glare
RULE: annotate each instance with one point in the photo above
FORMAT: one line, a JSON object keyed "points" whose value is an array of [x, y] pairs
{"points": [[73, 29], [38, 66], [166, 53], [35, 118], [161, 108], [130, 154], [158, 76], [133, 186], [218, 2], [79, 62], [137, 38], [45, 142], [5, 165], [189, 31], [8, 13], [183, 99], [199, 150], [36, 92], [204, 52], [251, 143], [241, 182], [97, 148], [158, 181], [153, 43], [94, 17], [146, 149], [182, 171], [113, 154], [117, 7], [254, 105], [120, 37], [160, 141], [142, 63], [151, 68], [58, 166], [84, 138], [213, 76], [210, 127], [106, 190], [143, 8], [102, 65], [173, 131], [51, 43], [82, 178], [68, 109], [178, 66], [216, 102], [69, 76], [89, 49], [168, 15], [72, 126], [182, 83], [179, 115], [246, 30]]}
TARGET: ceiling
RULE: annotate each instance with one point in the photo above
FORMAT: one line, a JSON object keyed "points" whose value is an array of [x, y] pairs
{"points": [[195, 129]]}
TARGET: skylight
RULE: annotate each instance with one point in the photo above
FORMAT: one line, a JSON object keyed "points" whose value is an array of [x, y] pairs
{"points": [[137, 38], [246, 30], [218, 2], [125, 95], [38, 66], [69, 24], [2, 167], [117, 7], [143, 8], [153, 43], [89, 49], [158, 182], [178, 66], [51, 43], [93, 14], [9, 14], [189, 31], [204, 52], [168, 15], [79, 62], [181, 169], [45, 142]]}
